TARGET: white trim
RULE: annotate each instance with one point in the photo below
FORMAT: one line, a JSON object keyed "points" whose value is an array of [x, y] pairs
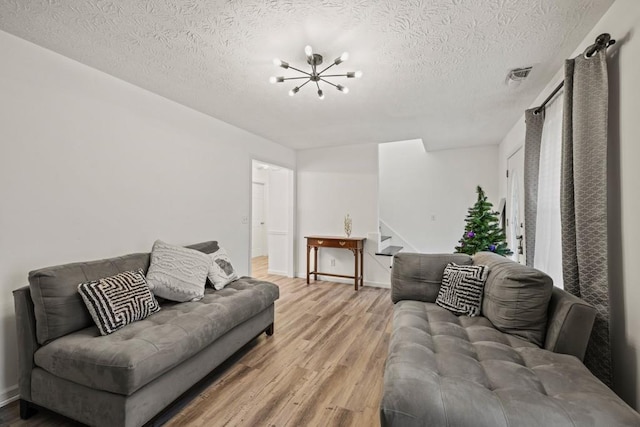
{"points": [[277, 232], [410, 247], [292, 208], [514, 151], [378, 285], [9, 395], [348, 281], [378, 260], [277, 272]]}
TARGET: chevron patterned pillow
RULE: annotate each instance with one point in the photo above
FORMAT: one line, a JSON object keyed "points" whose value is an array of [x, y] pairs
{"points": [[116, 301], [462, 288]]}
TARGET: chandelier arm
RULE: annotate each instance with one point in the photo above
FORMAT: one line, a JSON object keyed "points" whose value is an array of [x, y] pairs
{"points": [[332, 64], [327, 81], [300, 71], [295, 78], [300, 87], [336, 75]]}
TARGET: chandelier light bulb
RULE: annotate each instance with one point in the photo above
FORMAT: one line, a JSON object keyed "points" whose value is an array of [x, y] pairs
{"points": [[273, 79], [308, 51], [341, 58], [294, 91], [320, 94], [280, 63], [345, 90], [358, 74]]}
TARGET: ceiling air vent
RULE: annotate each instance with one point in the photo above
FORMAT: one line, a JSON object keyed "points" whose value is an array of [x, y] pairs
{"points": [[517, 75]]}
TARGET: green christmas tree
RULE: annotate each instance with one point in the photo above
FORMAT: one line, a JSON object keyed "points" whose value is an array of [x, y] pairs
{"points": [[482, 231]]}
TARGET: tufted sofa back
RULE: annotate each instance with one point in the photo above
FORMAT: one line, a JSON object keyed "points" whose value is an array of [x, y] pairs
{"points": [[58, 307], [419, 276], [516, 297]]}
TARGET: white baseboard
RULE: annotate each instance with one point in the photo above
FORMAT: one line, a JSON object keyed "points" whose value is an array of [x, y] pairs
{"points": [[378, 285], [9, 395], [277, 272], [348, 281]]}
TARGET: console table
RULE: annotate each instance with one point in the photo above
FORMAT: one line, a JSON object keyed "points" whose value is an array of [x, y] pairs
{"points": [[354, 244]]}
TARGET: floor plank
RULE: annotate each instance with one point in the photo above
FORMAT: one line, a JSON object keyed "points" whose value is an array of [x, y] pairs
{"points": [[322, 367]]}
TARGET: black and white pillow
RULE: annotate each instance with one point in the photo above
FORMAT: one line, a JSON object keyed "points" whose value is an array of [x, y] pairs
{"points": [[221, 271], [116, 301], [462, 288]]}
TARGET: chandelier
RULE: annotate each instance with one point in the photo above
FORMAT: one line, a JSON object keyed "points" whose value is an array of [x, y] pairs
{"points": [[315, 76]]}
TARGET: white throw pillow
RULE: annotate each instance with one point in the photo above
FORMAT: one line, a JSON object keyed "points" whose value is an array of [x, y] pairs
{"points": [[221, 272], [177, 273]]}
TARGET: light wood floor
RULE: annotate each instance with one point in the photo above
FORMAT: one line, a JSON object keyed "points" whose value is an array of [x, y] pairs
{"points": [[322, 367]]}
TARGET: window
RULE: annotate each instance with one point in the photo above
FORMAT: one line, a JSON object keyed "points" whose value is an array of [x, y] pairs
{"points": [[548, 253]]}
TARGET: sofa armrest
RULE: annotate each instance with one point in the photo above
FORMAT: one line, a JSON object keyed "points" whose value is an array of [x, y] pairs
{"points": [[419, 276], [569, 324], [27, 341]]}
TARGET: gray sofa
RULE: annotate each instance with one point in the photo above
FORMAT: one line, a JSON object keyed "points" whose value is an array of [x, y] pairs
{"points": [[126, 378], [519, 364]]}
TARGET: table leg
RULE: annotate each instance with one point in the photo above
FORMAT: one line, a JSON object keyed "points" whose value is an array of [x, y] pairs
{"points": [[315, 263], [362, 267], [308, 252], [355, 275]]}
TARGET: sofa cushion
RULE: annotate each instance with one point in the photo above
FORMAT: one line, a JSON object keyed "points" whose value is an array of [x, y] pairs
{"points": [[461, 371], [58, 307], [140, 352], [516, 297], [116, 301], [417, 277], [177, 273]]}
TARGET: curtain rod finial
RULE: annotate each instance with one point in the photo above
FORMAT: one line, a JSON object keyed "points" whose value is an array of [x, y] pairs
{"points": [[603, 39]]}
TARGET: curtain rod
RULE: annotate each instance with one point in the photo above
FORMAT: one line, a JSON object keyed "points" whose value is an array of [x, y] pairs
{"points": [[603, 41]]}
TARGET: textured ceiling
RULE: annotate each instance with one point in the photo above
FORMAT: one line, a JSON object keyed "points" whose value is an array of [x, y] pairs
{"points": [[433, 69]]}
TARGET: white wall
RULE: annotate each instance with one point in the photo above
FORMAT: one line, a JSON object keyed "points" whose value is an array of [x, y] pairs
{"points": [[623, 22], [425, 196], [331, 183], [93, 167]]}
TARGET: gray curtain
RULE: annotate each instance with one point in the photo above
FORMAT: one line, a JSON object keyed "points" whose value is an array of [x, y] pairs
{"points": [[532, 142], [584, 198]]}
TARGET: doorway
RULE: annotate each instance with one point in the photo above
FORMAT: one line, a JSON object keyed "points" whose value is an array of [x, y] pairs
{"points": [[515, 206], [258, 230], [272, 220]]}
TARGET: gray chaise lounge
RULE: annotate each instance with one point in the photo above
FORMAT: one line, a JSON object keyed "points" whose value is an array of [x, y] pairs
{"points": [[444, 370], [126, 378]]}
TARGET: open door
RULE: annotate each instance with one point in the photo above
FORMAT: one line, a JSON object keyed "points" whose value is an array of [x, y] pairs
{"points": [[272, 219], [258, 226]]}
